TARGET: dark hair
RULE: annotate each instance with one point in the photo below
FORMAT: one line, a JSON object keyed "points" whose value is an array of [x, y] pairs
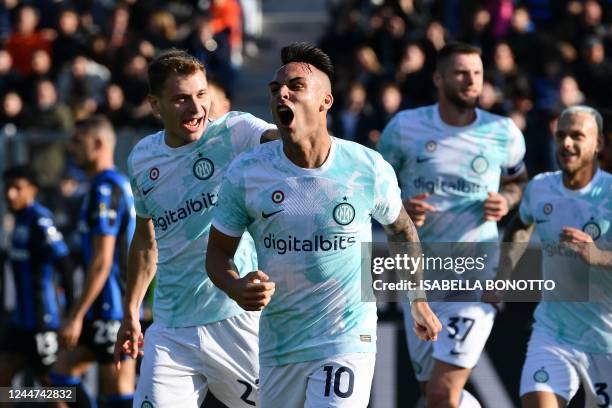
{"points": [[173, 61], [308, 54], [453, 48], [20, 172]]}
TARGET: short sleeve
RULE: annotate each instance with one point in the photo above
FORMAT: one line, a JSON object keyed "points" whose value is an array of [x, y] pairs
{"points": [[139, 204], [105, 209], [515, 151], [230, 215], [387, 200], [247, 130], [525, 210], [389, 145]]}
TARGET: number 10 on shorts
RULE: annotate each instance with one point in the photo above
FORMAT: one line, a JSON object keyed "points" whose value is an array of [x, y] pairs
{"points": [[341, 372]]}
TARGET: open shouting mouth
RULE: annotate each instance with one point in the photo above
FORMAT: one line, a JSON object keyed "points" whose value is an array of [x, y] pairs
{"points": [[285, 115]]}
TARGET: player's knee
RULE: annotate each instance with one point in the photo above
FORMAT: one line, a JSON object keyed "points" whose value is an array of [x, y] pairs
{"points": [[441, 396]]}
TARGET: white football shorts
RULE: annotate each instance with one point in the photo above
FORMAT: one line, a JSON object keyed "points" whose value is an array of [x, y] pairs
{"points": [[181, 364], [339, 381], [559, 368], [465, 329]]}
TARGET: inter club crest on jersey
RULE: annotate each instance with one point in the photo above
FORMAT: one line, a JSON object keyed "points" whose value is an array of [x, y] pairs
{"points": [[203, 168], [480, 164], [344, 213], [593, 229]]}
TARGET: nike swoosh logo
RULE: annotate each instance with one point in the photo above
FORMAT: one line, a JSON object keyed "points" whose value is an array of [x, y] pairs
{"points": [[268, 215], [541, 221], [423, 159], [145, 192]]}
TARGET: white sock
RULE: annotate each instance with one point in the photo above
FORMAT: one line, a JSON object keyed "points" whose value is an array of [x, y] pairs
{"points": [[467, 400]]}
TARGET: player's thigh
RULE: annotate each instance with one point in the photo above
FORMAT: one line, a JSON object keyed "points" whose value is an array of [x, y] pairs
{"points": [[231, 350], [118, 382], [171, 369], [466, 328], [73, 362], [342, 381], [420, 351], [595, 372], [548, 369], [538, 399], [283, 386]]}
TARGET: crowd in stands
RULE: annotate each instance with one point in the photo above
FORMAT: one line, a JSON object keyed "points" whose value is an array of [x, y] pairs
{"points": [[62, 61], [540, 56]]}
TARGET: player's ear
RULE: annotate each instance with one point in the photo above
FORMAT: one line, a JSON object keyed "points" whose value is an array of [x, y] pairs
{"points": [[154, 102], [328, 101]]}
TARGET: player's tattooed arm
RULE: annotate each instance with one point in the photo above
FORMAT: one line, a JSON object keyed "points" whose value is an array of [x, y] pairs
{"points": [[269, 135], [512, 188], [404, 240], [402, 230]]}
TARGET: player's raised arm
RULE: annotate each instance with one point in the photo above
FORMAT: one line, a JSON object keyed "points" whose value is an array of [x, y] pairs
{"points": [[402, 231], [251, 292], [141, 270]]}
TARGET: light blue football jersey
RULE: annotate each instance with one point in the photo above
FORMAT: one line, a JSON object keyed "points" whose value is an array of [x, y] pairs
{"points": [[552, 206], [308, 225], [457, 166], [177, 188]]}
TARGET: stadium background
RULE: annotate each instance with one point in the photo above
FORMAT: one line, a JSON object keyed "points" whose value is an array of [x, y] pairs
{"points": [[90, 56]]}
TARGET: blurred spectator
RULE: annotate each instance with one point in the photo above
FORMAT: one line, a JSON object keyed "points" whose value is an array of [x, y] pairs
{"points": [[161, 31], [12, 113], [389, 103], [9, 79], [71, 39], [506, 76], [594, 73], [116, 108], [354, 120], [521, 37], [436, 34], [49, 114], [501, 12], [569, 93], [41, 69], [83, 80], [227, 16], [133, 82], [368, 71], [221, 104], [414, 76], [491, 98], [479, 31], [25, 39], [213, 50], [387, 39]]}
